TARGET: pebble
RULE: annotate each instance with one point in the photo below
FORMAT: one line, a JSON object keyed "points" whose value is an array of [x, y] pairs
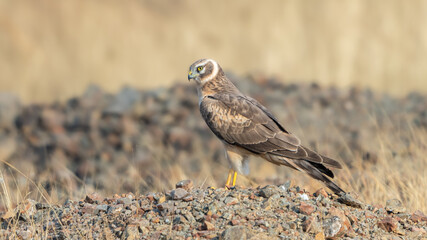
{"points": [[231, 200], [268, 191], [394, 206], [234, 233], [186, 184], [179, 193]]}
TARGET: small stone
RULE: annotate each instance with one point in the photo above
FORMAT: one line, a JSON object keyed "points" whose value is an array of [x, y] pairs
{"points": [[93, 198], [418, 216], [234, 233], [235, 222], [26, 209], [208, 226], [322, 192], [394, 206], [320, 236], [165, 206], [349, 200], [131, 232], [178, 194], [332, 227], [311, 225], [418, 230], [24, 234], [344, 221], [101, 208], [268, 191], [188, 198], [88, 209], [230, 201], [306, 209], [186, 184], [124, 200], [388, 224], [162, 199], [303, 196], [40, 206]]}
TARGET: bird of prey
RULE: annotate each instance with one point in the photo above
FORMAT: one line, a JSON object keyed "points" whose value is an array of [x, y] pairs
{"points": [[248, 128]]}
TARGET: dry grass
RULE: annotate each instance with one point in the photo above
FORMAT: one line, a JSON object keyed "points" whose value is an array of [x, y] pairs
{"points": [[398, 171], [53, 49]]}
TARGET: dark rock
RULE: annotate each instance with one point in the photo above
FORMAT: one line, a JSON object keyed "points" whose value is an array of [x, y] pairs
{"points": [[185, 184]]}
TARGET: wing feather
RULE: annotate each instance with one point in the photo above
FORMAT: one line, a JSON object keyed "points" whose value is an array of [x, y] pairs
{"points": [[242, 121]]}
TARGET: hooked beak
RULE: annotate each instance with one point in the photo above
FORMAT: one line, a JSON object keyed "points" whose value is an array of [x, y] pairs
{"points": [[191, 75]]}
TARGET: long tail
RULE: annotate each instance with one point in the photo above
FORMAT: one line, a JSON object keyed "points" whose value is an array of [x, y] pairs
{"points": [[319, 172], [315, 170]]}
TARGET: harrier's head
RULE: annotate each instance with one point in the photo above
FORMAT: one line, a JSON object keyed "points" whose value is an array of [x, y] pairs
{"points": [[203, 70]]}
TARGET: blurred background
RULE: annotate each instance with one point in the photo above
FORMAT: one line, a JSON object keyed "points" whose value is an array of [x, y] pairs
{"points": [[52, 50], [94, 94]]}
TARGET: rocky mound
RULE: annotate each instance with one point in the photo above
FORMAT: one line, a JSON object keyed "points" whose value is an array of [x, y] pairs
{"points": [[271, 212], [108, 141]]}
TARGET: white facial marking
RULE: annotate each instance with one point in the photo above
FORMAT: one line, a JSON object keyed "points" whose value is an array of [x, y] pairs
{"points": [[214, 71]]}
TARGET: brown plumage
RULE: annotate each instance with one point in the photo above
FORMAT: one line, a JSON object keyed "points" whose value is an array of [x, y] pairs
{"points": [[248, 128]]}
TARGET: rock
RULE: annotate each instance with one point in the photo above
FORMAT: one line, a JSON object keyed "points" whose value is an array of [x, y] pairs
{"points": [[185, 184], [131, 232], [188, 198], [93, 198], [208, 226], [165, 206], [394, 206], [388, 224], [349, 200], [124, 200], [344, 221], [234, 233], [311, 225], [231, 200], [303, 196], [305, 208], [101, 208], [332, 227], [26, 209], [40, 206], [418, 216], [322, 192], [179, 193], [320, 236], [268, 191]]}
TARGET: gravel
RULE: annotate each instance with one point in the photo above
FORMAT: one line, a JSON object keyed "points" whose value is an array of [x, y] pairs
{"points": [[240, 213]]}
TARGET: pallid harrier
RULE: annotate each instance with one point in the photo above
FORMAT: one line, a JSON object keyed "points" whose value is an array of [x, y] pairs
{"points": [[248, 128]]}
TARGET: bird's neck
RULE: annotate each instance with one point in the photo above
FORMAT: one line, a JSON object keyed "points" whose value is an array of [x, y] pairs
{"points": [[218, 85]]}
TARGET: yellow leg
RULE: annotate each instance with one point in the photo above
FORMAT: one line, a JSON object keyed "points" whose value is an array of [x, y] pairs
{"points": [[230, 172], [234, 179]]}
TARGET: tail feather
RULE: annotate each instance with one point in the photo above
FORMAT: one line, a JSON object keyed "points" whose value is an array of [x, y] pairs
{"points": [[315, 170], [319, 174]]}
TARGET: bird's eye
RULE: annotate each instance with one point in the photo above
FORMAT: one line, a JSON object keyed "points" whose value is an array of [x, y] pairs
{"points": [[199, 68]]}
